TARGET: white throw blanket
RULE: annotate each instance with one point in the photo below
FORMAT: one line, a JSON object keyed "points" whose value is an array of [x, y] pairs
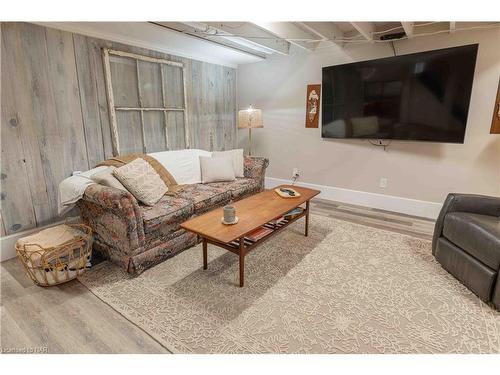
{"points": [[72, 189], [183, 165]]}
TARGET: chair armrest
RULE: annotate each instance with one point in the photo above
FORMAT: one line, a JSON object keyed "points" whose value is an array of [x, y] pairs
{"points": [[113, 214], [476, 204]]}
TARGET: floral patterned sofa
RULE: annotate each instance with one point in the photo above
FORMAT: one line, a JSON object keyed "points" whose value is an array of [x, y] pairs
{"points": [[138, 237]]}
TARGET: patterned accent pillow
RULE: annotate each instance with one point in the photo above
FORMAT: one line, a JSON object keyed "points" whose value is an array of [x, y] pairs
{"points": [[142, 181]]}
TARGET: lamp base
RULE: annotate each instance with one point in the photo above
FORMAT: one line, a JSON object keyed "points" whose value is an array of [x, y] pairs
{"points": [[249, 141]]}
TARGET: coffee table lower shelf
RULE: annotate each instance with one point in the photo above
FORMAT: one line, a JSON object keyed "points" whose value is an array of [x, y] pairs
{"points": [[243, 245]]}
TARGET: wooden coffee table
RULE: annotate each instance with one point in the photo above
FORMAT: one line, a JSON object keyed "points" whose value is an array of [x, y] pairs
{"points": [[253, 212]]}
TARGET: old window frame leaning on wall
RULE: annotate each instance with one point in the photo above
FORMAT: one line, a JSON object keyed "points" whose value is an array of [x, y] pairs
{"points": [[140, 108]]}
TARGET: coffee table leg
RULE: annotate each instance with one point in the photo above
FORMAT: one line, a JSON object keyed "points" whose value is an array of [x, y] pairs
{"points": [[242, 262], [205, 256], [307, 219]]}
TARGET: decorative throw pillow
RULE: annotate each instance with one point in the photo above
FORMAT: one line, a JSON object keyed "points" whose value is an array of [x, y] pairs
{"points": [[236, 157], [106, 178], [216, 169], [140, 179]]}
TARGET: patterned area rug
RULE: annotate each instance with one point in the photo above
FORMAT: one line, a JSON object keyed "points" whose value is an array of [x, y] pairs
{"points": [[347, 288]]}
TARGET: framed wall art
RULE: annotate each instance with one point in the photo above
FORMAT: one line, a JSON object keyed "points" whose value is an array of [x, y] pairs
{"points": [[312, 105]]}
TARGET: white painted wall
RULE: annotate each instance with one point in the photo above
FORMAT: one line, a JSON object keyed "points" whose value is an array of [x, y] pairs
{"points": [[415, 170]]}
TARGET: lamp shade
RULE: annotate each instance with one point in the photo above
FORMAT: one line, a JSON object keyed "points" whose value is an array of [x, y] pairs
{"points": [[250, 118]]}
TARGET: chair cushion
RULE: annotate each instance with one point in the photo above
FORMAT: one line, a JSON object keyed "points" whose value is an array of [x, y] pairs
{"points": [[240, 187], [205, 197], [470, 271], [478, 235], [167, 214]]}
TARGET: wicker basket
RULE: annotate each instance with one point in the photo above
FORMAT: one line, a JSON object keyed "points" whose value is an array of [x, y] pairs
{"points": [[57, 254]]}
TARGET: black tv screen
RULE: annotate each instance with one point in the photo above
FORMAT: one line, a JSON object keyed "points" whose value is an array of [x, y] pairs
{"points": [[419, 97]]}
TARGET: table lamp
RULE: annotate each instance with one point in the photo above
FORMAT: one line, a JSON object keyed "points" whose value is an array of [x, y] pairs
{"points": [[249, 119]]}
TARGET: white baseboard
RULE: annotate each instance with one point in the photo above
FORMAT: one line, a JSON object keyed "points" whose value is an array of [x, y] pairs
{"points": [[8, 243], [384, 202]]}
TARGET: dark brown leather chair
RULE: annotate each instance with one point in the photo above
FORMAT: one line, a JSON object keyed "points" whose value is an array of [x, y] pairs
{"points": [[467, 243]]}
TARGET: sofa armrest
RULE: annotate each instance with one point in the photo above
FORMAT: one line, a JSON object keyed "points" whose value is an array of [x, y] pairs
{"points": [[255, 167], [114, 215], [477, 204]]}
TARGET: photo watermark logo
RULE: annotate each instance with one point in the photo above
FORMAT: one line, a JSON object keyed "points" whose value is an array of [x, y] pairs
{"points": [[24, 350]]}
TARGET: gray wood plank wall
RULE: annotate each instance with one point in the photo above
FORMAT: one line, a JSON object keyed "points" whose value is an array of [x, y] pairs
{"points": [[55, 120]]}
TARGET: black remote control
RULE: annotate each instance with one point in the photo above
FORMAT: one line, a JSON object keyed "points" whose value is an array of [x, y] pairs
{"points": [[288, 191]]}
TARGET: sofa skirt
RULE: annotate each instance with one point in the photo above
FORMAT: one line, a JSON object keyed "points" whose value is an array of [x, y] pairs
{"points": [[156, 251]]}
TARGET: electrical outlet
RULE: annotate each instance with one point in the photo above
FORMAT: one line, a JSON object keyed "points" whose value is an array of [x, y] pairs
{"points": [[295, 172], [383, 182]]}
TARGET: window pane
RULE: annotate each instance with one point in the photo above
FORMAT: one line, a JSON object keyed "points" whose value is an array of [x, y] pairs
{"points": [[129, 131], [150, 84], [154, 131], [175, 129], [174, 88], [124, 81]]}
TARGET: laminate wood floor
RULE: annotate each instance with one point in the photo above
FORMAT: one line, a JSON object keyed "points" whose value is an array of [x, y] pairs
{"points": [[69, 319], [373, 217]]}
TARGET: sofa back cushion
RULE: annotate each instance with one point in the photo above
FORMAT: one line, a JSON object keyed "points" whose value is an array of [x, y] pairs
{"points": [[184, 165]]}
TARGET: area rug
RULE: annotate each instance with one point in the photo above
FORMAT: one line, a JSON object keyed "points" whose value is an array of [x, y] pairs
{"points": [[346, 288]]}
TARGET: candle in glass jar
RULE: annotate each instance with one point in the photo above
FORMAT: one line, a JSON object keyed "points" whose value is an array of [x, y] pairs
{"points": [[229, 214]]}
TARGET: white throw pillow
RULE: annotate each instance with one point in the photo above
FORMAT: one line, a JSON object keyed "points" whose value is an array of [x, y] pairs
{"points": [[183, 165], [140, 179], [236, 157], [216, 169]]}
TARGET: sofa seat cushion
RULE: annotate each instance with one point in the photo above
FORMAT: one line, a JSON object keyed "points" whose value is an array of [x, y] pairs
{"points": [[205, 197], [240, 187], [478, 235], [167, 214]]}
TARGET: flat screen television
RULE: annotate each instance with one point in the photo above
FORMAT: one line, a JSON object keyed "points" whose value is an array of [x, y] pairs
{"points": [[418, 97]]}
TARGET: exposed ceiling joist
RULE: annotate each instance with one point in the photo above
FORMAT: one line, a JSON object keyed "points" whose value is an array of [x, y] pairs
{"points": [[325, 30], [364, 28], [292, 33], [408, 28], [199, 30], [253, 34], [453, 26]]}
